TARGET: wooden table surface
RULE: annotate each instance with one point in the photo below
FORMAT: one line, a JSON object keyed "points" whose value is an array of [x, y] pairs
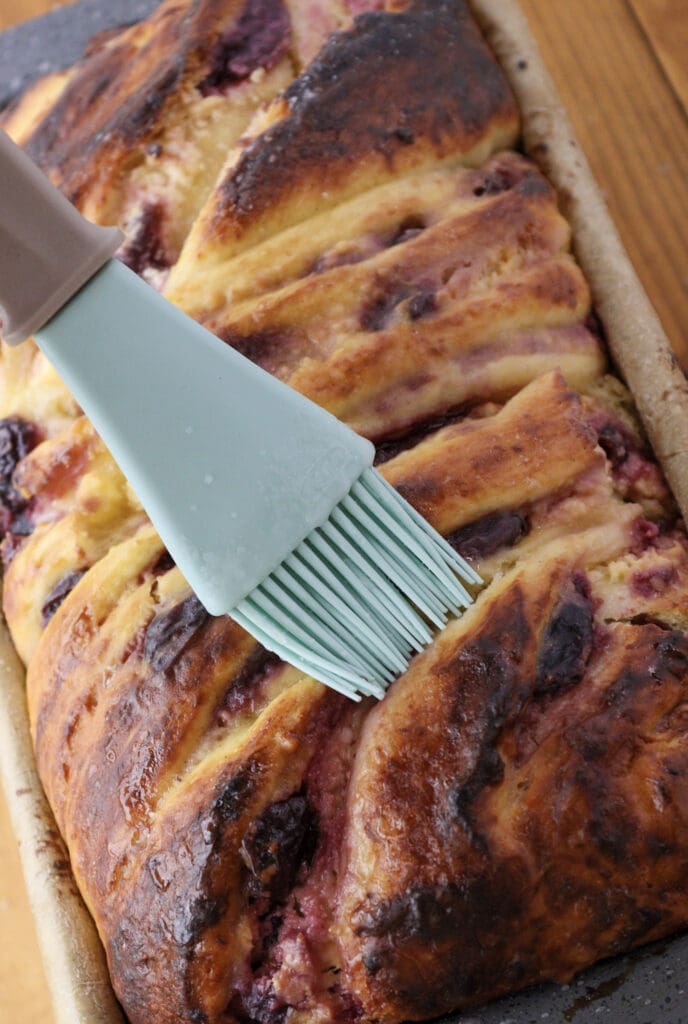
{"points": [[622, 69]]}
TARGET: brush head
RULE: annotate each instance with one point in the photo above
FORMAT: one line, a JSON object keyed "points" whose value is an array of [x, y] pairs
{"points": [[361, 594]]}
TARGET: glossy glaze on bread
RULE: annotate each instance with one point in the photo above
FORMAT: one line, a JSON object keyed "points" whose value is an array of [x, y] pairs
{"points": [[254, 848]]}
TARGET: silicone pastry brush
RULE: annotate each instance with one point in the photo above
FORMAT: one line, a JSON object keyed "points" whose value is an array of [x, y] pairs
{"points": [[267, 503]]}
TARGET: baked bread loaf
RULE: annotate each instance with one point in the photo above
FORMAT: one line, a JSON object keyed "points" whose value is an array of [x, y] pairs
{"points": [[253, 847]]}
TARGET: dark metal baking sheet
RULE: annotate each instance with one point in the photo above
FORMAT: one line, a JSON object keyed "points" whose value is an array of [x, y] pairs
{"points": [[649, 986], [646, 987], [55, 40]]}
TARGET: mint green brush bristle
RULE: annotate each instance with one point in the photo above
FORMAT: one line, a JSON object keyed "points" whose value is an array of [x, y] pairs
{"points": [[267, 503]]}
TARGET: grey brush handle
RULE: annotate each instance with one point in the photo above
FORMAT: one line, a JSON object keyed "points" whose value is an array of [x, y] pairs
{"points": [[47, 249], [233, 467]]}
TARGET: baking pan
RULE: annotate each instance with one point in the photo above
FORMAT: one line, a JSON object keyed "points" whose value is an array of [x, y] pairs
{"points": [[647, 987], [56, 40]]}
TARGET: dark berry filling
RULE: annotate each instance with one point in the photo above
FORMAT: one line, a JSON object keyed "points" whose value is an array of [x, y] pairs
{"points": [[258, 40], [260, 1005], [145, 249], [17, 438], [291, 854], [164, 563], [422, 304], [394, 446], [245, 690], [567, 640], [495, 181], [654, 582], [409, 228], [58, 593], [277, 845], [486, 535], [377, 312], [616, 442], [169, 633]]}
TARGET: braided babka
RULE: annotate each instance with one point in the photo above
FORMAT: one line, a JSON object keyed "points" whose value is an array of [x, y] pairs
{"points": [[334, 188]]}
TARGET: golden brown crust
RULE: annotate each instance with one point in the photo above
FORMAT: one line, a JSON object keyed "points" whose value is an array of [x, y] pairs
{"points": [[181, 703], [233, 882], [389, 96], [636, 338], [441, 288], [516, 817], [141, 127], [115, 101]]}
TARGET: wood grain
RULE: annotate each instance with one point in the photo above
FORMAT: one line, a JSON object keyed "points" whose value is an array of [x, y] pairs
{"points": [[14, 11], [621, 69], [635, 134], [23, 992], [666, 28]]}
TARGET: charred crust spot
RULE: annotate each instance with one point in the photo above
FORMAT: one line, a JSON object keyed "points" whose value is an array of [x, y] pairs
{"points": [[409, 229], [489, 533], [260, 666], [567, 640], [671, 656], [257, 40], [422, 304], [231, 800], [140, 119], [377, 312], [653, 658], [418, 914], [394, 931], [489, 771], [107, 109], [277, 845], [490, 691], [204, 909], [59, 144], [146, 249], [610, 828], [59, 592], [405, 135], [392, 81], [490, 663], [373, 962], [659, 656], [269, 349], [170, 633], [260, 1005]]}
